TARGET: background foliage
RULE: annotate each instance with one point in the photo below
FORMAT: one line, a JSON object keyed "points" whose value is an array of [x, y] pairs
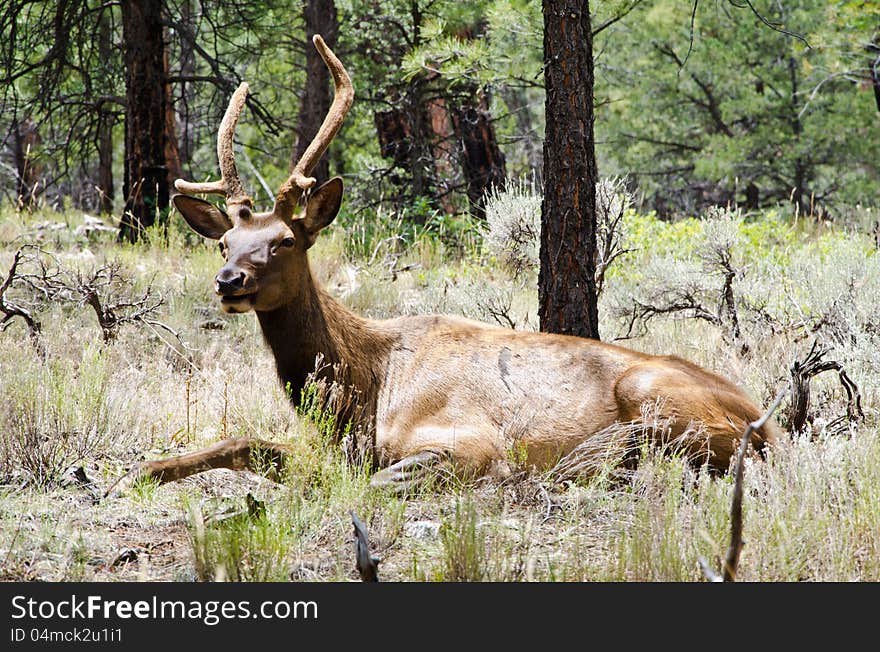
{"points": [[697, 104]]}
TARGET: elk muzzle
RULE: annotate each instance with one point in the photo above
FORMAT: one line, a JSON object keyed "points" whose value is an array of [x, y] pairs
{"points": [[236, 288]]}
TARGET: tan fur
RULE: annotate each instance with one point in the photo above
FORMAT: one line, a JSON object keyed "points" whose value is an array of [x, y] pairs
{"points": [[480, 392]]}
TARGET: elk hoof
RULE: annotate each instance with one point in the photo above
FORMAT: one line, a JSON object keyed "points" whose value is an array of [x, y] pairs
{"points": [[412, 472]]}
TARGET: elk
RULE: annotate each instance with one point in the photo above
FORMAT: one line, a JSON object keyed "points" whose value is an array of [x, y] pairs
{"points": [[435, 389]]}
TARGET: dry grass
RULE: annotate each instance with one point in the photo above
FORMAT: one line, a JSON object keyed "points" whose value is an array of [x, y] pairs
{"points": [[811, 513]]}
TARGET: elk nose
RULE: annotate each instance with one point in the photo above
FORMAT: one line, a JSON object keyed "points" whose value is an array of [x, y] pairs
{"points": [[230, 281]]}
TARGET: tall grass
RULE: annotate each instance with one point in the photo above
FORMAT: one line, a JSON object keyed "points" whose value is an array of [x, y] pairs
{"points": [[57, 413]]}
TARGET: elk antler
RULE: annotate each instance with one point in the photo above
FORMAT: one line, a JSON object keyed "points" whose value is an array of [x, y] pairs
{"points": [[299, 180], [229, 183]]}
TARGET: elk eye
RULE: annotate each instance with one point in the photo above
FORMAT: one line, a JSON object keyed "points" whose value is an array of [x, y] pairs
{"points": [[286, 242], [222, 248]]}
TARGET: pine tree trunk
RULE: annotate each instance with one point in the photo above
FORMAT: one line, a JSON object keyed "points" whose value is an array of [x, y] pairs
{"points": [[444, 147], [187, 98], [146, 182], [567, 284], [482, 160], [172, 150], [25, 143], [320, 18], [106, 120], [105, 161]]}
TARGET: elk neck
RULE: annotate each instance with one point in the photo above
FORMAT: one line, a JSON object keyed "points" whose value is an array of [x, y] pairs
{"points": [[313, 325]]}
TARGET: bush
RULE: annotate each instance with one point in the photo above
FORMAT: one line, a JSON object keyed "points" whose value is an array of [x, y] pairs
{"points": [[513, 227]]}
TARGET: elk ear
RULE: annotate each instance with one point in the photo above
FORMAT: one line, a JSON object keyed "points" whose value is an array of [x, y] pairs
{"points": [[204, 218], [322, 208]]}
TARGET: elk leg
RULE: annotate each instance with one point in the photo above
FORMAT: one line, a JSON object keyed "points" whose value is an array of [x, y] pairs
{"points": [[410, 472], [239, 454]]}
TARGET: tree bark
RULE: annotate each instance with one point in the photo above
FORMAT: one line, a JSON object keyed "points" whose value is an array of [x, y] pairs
{"points": [[482, 161], [187, 63], [146, 181], [25, 142], [320, 18], [106, 120], [566, 284], [517, 103], [444, 148], [172, 150]]}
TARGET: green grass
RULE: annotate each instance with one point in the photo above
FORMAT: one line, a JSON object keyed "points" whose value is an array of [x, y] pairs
{"points": [[811, 513]]}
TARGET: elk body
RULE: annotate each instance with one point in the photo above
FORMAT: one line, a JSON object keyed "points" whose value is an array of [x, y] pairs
{"points": [[434, 388]]}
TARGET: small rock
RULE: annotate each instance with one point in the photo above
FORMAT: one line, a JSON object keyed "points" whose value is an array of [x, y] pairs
{"points": [[426, 530]]}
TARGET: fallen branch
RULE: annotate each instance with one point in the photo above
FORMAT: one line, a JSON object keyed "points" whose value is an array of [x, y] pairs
{"points": [[367, 565], [731, 561]]}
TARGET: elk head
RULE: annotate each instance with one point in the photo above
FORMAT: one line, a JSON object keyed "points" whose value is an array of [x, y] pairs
{"points": [[266, 252]]}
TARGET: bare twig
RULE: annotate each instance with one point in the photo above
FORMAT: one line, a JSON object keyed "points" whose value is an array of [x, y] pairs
{"points": [[775, 27], [499, 306], [107, 292], [731, 561], [612, 201], [691, 34], [367, 565], [802, 372], [11, 310], [690, 298], [683, 301], [620, 15]]}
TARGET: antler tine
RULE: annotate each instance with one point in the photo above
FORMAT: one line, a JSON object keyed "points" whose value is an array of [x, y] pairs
{"points": [[229, 183], [299, 180]]}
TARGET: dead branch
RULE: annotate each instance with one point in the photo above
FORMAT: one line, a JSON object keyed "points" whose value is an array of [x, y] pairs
{"points": [[612, 200], [367, 565], [499, 306], [727, 304], [691, 298], [683, 301], [11, 310], [101, 291], [802, 372], [731, 561], [107, 291]]}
